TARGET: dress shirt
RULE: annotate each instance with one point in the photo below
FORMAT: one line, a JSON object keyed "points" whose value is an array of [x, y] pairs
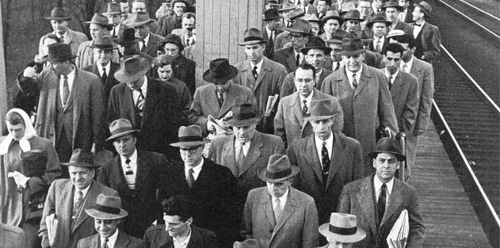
{"points": [[349, 76], [144, 88], [237, 145], [111, 240], [376, 40], [259, 65], [282, 199], [196, 170], [416, 29], [144, 42], [387, 74], [270, 33], [71, 79], [133, 163], [308, 101], [408, 65], [319, 145], [183, 244], [84, 192], [378, 188], [100, 68]]}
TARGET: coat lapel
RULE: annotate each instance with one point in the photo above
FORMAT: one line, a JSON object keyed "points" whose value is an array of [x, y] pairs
{"points": [[122, 240], [296, 106], [266, 204], [228, 155], [119, 175], [366, 202], [152, 98], [338, 147], [396, 86], [313, 159], [253, 153], [395, 201], [291, 204], [229, 100], [212, 102], [363, 81], [90, 200], [264, 71], [290, 58], [95, 242], [143, 171]]}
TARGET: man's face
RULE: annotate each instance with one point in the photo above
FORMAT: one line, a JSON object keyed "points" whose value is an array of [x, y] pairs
{"points": [[322, 128], [385, 165], [286, 15], [179, 8], [316, 57], [138, 7], [353, 62], [124, 8], [59, 26], [336, 49], [408, 53], [81, 177], [417, 14], [304, 82], [141, 31], [103, 56], [352, 26], [245, 133], [392, 61], [274, 24], [172, 50], [331, 26], [59, 67], [315, 28], [391, 14], [106, 228], [298, 40], [135, 85], [188, 24], [125, 145], [114, 19], [379, 29], [175, 226], [365, 9], [322, 7], [191, 156], [336, 244], [278, 189], [16, 131], [165, 73], [254, 52]]}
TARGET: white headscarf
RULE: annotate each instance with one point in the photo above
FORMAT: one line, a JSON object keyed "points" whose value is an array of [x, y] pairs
{"points": [[28, 133]]}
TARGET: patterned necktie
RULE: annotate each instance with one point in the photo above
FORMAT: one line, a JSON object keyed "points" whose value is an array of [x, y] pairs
{"points": [[139, 104], [277, 210], [77, 202], [220, 96], [105, 245], [354, 81], [325, 160], [304, 108], [255, 73], [129, 175], [381, 202], [241, 156], [190, 178], [389, 81], [65, 92]]}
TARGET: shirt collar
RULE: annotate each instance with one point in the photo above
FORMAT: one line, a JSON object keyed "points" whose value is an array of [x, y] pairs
{"points": [[111, 239], [133, 158], [378, 184], [185, 242], [84, 191], [259, 65], [387, 74], [282, 199], [144, 86], [100, 68], [308, 98], [196, 169], [358, 73], [146, 39]]}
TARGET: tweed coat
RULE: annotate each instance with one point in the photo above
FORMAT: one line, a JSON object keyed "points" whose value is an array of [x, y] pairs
{"points": [[430, 38], [364, 108], [60, 200], [358, 198], [157, 237], [141, 203], [286, 57], [111, 80], [346, 166], [289, 123], [404, 94], [267, 84], [85, 54], [297, 226], [152, 46], [12, 237], [72, 38], [205, 103], [222, 151], [123, 241], [288, 86]]}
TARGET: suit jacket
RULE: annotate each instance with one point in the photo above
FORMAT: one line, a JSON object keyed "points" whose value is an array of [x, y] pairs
{"points": [[85, 55], [286, 57], [157, 237], [425, 77], [288, 86], [12, 237], [372, 46], [297, 226], [182, 34], [170, 23], [185, 71], [205, 103], [60, 200], [123, 241], [289, 123], [404, 94], [346, 166], [152, 45], [430, 39], [359, 198], [73, 38], [160, 121], [267, 84], [141, 203], [110, 82], [222, 151], [364, 108]]}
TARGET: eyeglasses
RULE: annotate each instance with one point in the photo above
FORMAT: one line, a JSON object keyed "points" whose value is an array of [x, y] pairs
{"points": [[191, 149]]}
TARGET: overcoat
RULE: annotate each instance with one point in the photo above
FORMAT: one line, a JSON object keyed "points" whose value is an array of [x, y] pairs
{"points": [[157, 237], [288, 86], [430, 39], [123, 241], [404, 94]]}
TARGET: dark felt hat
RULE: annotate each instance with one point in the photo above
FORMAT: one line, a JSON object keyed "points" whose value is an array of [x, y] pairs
{"points": [[387, 145], [300, 26], [332, 14], [120, 127], [107, 208], [101, 20], [60, 52], [425, 7], [252, 36], [113, 9], [244, 115], [296, 13], [379, 17], [392, 4], [220, 71], [81, 158], [271, 14], [126, 37], [179, 1], [287, 7], [352, 46], [132, 68], [138, 19], [324, 109], [316, 43], [278, 169], [190, 136], [352, 14], [104, 43], [58, 13]]}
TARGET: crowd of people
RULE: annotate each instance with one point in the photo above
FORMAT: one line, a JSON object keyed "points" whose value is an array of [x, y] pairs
{"points": [[113, 144]]}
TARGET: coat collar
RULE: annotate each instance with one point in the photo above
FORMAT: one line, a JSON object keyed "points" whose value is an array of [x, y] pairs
{"points": [[89, 201], [292, 203], [366, 77], [366, 200]]}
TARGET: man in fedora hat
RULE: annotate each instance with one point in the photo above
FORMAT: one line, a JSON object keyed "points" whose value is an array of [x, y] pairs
{"points": [[427, 36], [174, 21], [108, 214], [137, 175], [141, 6], [178, 230], [363, 95], [164, 10], [290, 124], [392, 10], [67, 200], [291, 57], [352, 22], [59, 19], [262, 75], [247, 150], [285, 9], [334, 61], [148, 103], [70, 107], [113, 13], [315, 53], [126, 42], [284, 39], [378, 200], [332, 25], [378, 26], [217, 99], [341, 231], [187, 33], [185, 70], [328, 159], [211, 188], [307, 7], [272, 20], [148, 41], [278, 215]]}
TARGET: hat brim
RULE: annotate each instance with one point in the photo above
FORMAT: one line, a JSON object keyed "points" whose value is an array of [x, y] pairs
{"points": [[427, 13], [123, 77], [296, 31], [64, 18], [112, 13], [60, 59], [208, 76], [351, 53], [304, 50], [353, 19], [287, 9], [243, 123], [358, 236], [118, 135], [272, 18], [106, 216], [399, 8], [80, 164], [104, 47], [370, 24], [253, 42], [399, 156], [338, 18], [262, 175], [137, 24], [188, 144]]}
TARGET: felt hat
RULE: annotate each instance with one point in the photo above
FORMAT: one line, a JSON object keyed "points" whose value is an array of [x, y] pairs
{"points": [[101, 20], [132, 68], [315, 43], [379, 17], [60, 52], [324, 109], [296, 13], [287, 7], [104, 43], [278, 169], [337, 39], [126, 37], [107, 208], [352, 14], [332, 14], [300, 26], [395, 33], [342, 228], [113, 9], [190, 136], [352, 46], [312, 18], [179, 1], [81, 158], [425, 7], [244, 115], [392, 4], [220, 71], [387, 145], [138, 19], [252, 36], [120, 127], [249, 243], [271, 14], [58, 13]]}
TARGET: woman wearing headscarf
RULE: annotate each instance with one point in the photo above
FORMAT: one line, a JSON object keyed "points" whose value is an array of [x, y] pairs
{"points": [[28, 165]]}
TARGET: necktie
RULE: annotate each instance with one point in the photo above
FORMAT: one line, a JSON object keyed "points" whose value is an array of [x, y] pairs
{"points": [[139, 104], [297, 61], [389, 80], [277, 210], [304, 108], [104, 76], [220, 96], [325, 160], [105, 245], [378, 48], [190, 178], [381, 202], [65, 90], [129, 175], [241, 156], [77, 202], [143, 45], [270, 42], [354, 81], [337, 65], [187, 42], [255, 73]]}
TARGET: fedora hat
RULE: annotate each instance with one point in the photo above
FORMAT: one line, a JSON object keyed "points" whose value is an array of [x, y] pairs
{"points": [[379, 17], [312, 18], [336, 39], [296, 13], [132, 68], [315, 43], [332, 14], [120, 127], [107, 208], [179, 1], [300, 26], [342, 228], [278, 169], [81, 158], [138, 19], [113, 9], [104, 43], [60, 52], [353, 15], [365, 38], [287, 7], [190, 136], [271, 14], [392, 4], [58, 13], [352, 46], [220, 71], [249, 243], [387, 145], [252, 36], [126, 37], [244, 115], [101, 20], [324, 109], [425, 7]]}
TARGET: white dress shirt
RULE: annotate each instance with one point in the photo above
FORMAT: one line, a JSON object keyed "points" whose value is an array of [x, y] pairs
{"points": [[259, 65], [416, 29], [144, 42], [84, 192], [71, 80], [319, 146], [378, 188], [237, 145], [132, 164], [184, 243], [101, 69], [111, 240], [350, 74], [387, 74], [282, 199], [196, 170]]}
